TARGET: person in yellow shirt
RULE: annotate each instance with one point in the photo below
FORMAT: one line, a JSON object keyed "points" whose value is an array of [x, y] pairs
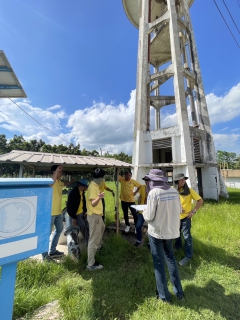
{"points": [[76, 208], [56, 214], [127, 197], [186, 196], [103, 187], [143, 192], [94, 217]]}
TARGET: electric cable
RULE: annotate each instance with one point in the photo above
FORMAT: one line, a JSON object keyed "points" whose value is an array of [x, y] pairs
{"points": [[39, 122], [226, 24], [230, 15]]}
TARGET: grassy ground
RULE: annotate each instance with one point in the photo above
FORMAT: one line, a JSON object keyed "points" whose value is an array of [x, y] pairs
{"points": [[125, 288]]}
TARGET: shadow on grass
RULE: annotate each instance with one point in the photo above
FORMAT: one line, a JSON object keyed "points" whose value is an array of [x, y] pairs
{"points": [[209, 253], [127, 278], [213, 297]]}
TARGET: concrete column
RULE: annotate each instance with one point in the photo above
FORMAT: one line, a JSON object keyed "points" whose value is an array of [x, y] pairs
{"points": [[142, 140], [20, 174], [157, 111], [157, 119], [180, 100]]}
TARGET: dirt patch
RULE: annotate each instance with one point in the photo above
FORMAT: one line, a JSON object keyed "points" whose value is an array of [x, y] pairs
{"points": [[50, 311]]}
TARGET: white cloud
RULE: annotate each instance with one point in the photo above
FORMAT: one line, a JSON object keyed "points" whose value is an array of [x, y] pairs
{"points": [[227, 142], [169, 120], [224, 129], [104, 126], [109, 126], [224, 108], [21, 120], [57, 106]]}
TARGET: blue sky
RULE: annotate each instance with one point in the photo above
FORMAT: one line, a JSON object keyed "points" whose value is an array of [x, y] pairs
{"points": [[77, 62]]}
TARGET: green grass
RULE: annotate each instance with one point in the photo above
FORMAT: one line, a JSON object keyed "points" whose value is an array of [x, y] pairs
{"points": [[125, 288]]}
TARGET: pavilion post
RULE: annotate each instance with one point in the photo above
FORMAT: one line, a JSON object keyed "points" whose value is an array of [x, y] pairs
{"points": [[117, 202]]}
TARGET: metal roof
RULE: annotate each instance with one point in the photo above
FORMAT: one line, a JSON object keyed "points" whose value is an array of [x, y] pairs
{"points": [[41, 161], [10, 87]]}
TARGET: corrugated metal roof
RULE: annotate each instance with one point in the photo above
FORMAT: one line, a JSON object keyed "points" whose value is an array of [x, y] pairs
{"points": [[42, 161], [10, 87]]}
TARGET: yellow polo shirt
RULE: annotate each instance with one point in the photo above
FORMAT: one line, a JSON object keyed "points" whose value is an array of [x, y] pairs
{"points": [[92, 193], [186, 202], [127, 189], [102, 186], [143, 194], [57, 198], [80, 208]]}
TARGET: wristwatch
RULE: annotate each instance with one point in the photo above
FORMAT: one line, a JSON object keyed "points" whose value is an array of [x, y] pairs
{"points": [[194, 210]]}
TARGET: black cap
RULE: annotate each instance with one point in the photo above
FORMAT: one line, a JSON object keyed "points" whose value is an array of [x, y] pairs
{"points": [[98, 173]]}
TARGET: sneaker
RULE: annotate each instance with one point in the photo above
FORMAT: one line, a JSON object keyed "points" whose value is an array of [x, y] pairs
{"points": [[181, 298], [127, 228], [184, 261], [56, 254], [165, 301], [96, 266], [137, 244], [47, 258]]}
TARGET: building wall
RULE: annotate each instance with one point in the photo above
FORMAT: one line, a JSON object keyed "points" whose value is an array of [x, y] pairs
{"points": [[231, 178]]}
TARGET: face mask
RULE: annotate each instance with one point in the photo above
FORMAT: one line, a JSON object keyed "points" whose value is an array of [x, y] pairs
{"points": [[98, 181]]}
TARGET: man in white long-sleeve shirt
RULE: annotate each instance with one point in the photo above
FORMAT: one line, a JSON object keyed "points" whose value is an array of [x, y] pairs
{"points": [[163, 216]]}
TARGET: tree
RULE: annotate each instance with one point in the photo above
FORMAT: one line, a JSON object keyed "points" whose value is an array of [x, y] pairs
{"points": [[85, 152], [47, 148], [237, 163], [123, 157], [3, 144], [17, 143], [74, 150], [94, 153], [226, 160]]}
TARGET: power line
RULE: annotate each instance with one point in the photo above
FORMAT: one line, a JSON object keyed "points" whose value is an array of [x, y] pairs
{"points": [[39, 122], [230, 15], [226, 24]]}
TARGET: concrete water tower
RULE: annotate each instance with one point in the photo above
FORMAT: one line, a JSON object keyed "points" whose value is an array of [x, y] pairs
{"points": [[169, 76]]}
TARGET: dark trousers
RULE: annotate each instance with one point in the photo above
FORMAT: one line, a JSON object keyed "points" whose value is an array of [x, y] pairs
{"points": [[83, 225], [103, 205], [125, 206], [185, 230], [162, 252], [140, 222]]}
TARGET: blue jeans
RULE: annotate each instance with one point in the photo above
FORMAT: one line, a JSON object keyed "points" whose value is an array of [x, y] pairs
{"points": [[57, 221], [162, 251], [140, 222], [185, 229], [82, 224]]}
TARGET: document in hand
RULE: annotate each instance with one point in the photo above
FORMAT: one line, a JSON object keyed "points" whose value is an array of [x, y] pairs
{"points": [[139, 207]]}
